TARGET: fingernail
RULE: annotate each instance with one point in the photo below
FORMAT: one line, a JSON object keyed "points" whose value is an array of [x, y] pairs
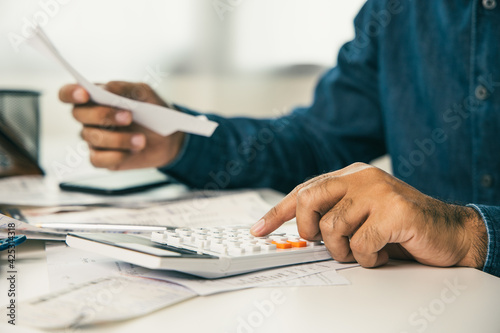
{"points": [[123, 118], [258, 227], [138, 141], [79, 95]]}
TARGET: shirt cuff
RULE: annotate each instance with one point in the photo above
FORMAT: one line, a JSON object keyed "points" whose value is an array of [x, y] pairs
{"points": [[195, 156], [182, 152], [491, 218]]}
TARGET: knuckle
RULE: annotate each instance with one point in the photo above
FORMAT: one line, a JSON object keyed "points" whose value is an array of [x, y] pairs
{"points": [[382, 188], [306, 184], [361, 241], [96, 115], [93, 136], [305, 197], [63, 92], [102, 113], [144, 86], [76, 114], [109, 160], [359, 165], [115, 140], [141, 92], [357, 243], [273, 212], [336, 220], [96, 160], [85, 134], [327, 224], [306, 234], [337, 252], [114, 86], [400, 204], [371, 171], [114, 167], [342, 256]]}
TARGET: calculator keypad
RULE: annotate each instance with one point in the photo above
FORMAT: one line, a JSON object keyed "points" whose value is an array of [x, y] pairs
{"points": [[231, 240]]}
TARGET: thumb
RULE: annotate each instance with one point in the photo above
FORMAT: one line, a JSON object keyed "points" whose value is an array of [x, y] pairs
{"points": [[279, 214]]}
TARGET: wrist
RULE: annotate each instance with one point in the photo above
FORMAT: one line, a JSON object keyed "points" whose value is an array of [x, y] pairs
{"points": [[476, 240]]}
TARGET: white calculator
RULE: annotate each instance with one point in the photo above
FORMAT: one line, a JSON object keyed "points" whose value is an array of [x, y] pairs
{"points": [[210, 252]]}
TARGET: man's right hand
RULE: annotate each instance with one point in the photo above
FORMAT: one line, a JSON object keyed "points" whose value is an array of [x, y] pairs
{"points": [[115, 141]]}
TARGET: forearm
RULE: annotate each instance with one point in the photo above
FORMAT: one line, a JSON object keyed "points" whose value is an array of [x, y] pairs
{"points": [[243, 152]]}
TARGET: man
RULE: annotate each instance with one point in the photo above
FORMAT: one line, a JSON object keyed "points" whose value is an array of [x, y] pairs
{"points": [[417, 82]]}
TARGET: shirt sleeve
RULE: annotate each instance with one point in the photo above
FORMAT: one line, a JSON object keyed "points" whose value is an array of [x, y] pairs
{"points": [[343, 125], [491, 217]]}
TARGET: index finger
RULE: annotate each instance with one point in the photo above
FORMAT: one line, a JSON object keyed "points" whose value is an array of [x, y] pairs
{"points": [[282, 212], [74, 94], [279, 214]]}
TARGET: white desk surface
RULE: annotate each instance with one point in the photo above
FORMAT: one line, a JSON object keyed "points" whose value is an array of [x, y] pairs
{"points": [[385, 299]]}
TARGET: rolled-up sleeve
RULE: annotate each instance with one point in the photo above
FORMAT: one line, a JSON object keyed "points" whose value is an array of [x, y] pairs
{"points": [[491, 217]]}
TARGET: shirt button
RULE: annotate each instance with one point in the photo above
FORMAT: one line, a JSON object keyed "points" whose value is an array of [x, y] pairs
{"points": [[481, 92], [489, 4], [487, 181]]}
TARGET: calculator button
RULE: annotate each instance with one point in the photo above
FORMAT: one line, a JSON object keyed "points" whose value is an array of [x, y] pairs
{"points": [[188, 239], [233, 244], [159, 237], [298, 243], [216, 240], [279, 239], [221, 248], [282, 244], [174, 240], [202, 243], [268, 247], [236, 251], [251, 248]]}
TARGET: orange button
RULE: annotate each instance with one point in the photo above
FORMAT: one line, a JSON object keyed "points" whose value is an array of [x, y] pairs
{"points": [[298, 243], [282, 245]]}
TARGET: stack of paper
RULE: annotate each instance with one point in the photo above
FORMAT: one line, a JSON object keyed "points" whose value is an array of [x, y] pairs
{"points": [[79, 281], [243, 208]]}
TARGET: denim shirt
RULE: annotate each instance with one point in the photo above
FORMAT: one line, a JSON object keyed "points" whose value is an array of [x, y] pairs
{"points": [[420, 82]]}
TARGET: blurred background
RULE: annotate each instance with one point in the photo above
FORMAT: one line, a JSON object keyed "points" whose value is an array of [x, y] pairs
{"points": [[232, 57]]}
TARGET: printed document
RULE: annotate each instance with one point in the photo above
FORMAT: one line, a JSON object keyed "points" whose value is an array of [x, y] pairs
{"points": [[160, 119], [244, 208]]}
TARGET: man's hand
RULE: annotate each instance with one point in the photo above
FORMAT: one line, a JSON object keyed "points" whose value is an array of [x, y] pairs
{"points": [[362, 213], [115, 141]]}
